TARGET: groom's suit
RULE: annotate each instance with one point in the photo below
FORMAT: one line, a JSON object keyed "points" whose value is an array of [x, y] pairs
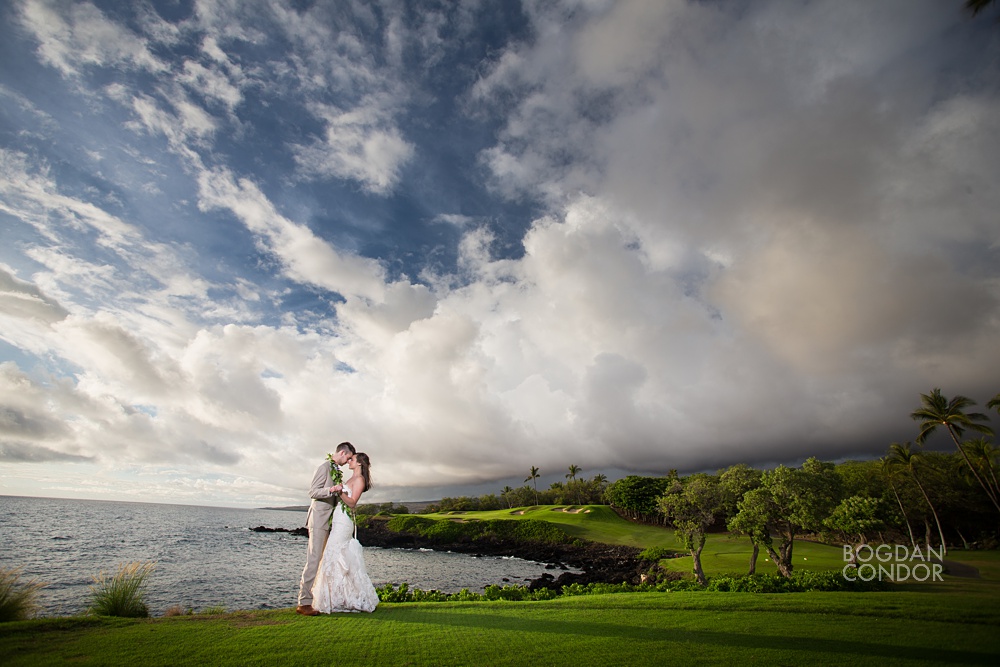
{"points": [[318, 523]]}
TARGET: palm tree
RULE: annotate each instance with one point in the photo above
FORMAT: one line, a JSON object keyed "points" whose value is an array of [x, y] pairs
{"points": [[901, 456], [983, 453], [505, 494], [571, 476], [533, 477], [939, 411], [889, 470], [994, 402]]}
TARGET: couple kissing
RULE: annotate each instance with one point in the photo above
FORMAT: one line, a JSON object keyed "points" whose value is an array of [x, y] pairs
{"points": [[334, 578]]}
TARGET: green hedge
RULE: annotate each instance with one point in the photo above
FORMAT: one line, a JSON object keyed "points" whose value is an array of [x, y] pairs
{"points": [[800, 582]]}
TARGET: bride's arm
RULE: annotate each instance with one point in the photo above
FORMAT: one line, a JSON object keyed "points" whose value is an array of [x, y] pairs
{"points": [[356, 486]]}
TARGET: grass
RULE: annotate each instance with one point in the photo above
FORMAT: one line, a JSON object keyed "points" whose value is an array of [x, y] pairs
{"points": [[631, 629], [18, 599], [723, 553], [597, 523], [948, 623], [121, 594]]}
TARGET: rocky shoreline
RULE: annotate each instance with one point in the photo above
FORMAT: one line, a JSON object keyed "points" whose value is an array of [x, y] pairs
{"points": [[598, 563]]}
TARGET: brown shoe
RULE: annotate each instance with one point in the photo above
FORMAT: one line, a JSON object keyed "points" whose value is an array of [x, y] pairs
{"points": [[306, 610]]}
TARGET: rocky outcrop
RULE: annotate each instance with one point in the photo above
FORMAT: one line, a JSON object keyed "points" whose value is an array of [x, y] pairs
{"points": [[606, 563], [303, 531], [596, 562]]}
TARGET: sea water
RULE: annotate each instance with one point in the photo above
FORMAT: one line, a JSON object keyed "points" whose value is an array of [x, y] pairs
{"points": [[205, 556]]}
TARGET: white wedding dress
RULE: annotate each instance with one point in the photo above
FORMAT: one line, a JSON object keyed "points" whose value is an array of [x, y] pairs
{"points": [[342, 582]]}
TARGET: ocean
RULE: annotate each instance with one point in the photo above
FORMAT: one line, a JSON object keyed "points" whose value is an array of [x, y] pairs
{"points": [[205, 556]]}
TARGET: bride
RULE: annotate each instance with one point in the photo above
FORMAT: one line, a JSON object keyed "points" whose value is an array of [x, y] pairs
{"points": [[342, 583]]}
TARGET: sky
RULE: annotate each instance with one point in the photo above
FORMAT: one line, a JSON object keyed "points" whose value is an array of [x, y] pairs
{"points": [[473, 237]]}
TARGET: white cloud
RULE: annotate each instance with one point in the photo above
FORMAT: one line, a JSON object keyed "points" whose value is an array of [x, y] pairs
{"points": [[29, 193], [767, 229], [77, 35], [305, 257], [359, 144]]}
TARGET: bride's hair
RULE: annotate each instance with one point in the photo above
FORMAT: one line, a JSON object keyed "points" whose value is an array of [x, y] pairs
{"points": [[365, 464]]}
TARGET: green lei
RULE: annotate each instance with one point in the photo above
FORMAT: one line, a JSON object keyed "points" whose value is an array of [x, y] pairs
{"points": [[335, 473], [338, 478]]}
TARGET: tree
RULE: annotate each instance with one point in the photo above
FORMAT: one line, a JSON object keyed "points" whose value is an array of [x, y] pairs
{"points": [[636, 496], [939, 411], [789, 502], [901, 456], [533, 478], [571, 476], [506, 494], [983, 455], [734, 483], [691, 507], [890, 471], [853, 518], [994, 403]]}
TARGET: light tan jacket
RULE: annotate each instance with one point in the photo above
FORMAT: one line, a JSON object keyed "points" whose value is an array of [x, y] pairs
{"points": [[323, 502]]}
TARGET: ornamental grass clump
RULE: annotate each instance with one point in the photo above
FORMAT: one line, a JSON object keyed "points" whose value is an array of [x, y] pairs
{"points": [[122, 594], [18, 599]]}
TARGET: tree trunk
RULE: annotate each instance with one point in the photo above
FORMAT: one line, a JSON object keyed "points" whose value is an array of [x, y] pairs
{"points": [[786, 558], [965, 542], [753, 558], [782, 568], [944, 547], [699, 573], [913, 540]]}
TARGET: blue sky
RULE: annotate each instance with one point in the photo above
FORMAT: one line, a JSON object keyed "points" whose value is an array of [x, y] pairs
{"points": [[472, 237]]}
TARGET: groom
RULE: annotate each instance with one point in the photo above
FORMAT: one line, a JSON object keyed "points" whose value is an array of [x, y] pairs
{"points": [[324, 498]]}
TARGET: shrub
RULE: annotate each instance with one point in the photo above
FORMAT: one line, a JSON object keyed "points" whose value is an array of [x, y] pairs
{"points": [[390, 594], [122, 594], [800, 582], [409, 523], [213, 610], [177, 610], [494, 592], [18, 599], [465, 595], [432, 595], [444, 531], [656, 554]]}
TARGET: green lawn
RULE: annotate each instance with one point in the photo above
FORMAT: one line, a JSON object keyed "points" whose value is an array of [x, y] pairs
{"points": [[597, 523], [954, 622], [896, 628], [723, 553]]}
